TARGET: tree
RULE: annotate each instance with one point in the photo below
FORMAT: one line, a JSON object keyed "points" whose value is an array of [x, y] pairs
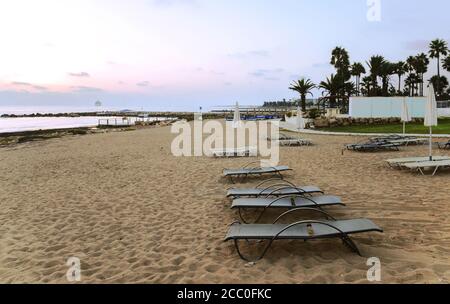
{"points": [[400, 70], [357, 69], [422, 63], [439, 84], [446, 63], [303, 87], [330, 89], [438, 48], [366, 85], [340, 59], [386, 70], [375, 65]]}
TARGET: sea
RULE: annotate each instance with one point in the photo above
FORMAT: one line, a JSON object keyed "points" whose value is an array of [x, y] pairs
{"points": [[21, 124]]}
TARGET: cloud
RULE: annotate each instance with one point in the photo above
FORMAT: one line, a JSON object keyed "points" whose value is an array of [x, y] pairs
{"points": [[266, 73], [84, 89], [227, 83], [245, 55], [143, 84], [20, 83], [110, 62], [29, 85], [81, 74]]}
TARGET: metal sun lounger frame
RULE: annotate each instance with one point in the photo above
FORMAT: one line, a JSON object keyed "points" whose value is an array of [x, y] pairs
{"points": [[444, 146], [282, 187], [293, 201], [400, 162], [238, 152], [331, 223], [245, 171], [420, 166]]}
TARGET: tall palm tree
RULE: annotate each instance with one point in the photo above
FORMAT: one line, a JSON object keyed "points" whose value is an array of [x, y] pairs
{"points": [[375, 65], [357, 69], [303, 87], [422, 63], [330, 89], [400, 70], [438, 48], [446, 63], [340, 59], [386, 70]]}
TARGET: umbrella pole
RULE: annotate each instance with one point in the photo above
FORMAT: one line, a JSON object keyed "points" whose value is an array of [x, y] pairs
{"points": [[431, 144]]}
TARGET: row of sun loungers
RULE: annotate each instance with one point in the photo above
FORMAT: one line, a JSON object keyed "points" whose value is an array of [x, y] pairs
{"points": [[386, 143], [280, 194]]}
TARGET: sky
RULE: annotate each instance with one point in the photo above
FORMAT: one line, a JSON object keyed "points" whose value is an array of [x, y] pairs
{"points": [[183, 54]]}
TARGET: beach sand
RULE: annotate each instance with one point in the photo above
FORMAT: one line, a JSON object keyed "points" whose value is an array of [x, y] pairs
{"points": [[132, 212]]}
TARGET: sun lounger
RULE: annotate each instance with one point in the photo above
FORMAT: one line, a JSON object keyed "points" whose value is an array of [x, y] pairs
{"points": [[422, 166], [408, 141], [293, 142], [284, 202], [301, 230], [251, 171], [444, 146], [399, 162], [373, 147], [280, 188], [236, 152]]}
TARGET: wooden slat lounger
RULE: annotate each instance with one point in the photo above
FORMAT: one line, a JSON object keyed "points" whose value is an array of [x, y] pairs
{"points": [[302, 230]]}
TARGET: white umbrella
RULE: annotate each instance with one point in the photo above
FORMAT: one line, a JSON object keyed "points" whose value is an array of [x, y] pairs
{"points": [[300, 120], [406, 116], [237, 116], [431, 117]]}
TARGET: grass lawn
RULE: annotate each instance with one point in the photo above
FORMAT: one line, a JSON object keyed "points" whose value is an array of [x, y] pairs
{"points": [[414, 128]]}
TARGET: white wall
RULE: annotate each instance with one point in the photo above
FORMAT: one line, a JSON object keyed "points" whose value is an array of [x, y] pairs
{"points": [[382, 107]]}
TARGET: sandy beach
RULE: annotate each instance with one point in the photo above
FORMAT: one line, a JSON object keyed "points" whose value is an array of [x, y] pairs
{"points": [[133, 213]]}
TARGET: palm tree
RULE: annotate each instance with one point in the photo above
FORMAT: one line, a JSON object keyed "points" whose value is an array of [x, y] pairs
{"points": [[422, 63], [330, 89], [400, 70], [446, 63], [438, 47], [340, 59], [366, 85], [357, 69], [386, 70], [303, 87], [375, 65], [439, 84]]}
